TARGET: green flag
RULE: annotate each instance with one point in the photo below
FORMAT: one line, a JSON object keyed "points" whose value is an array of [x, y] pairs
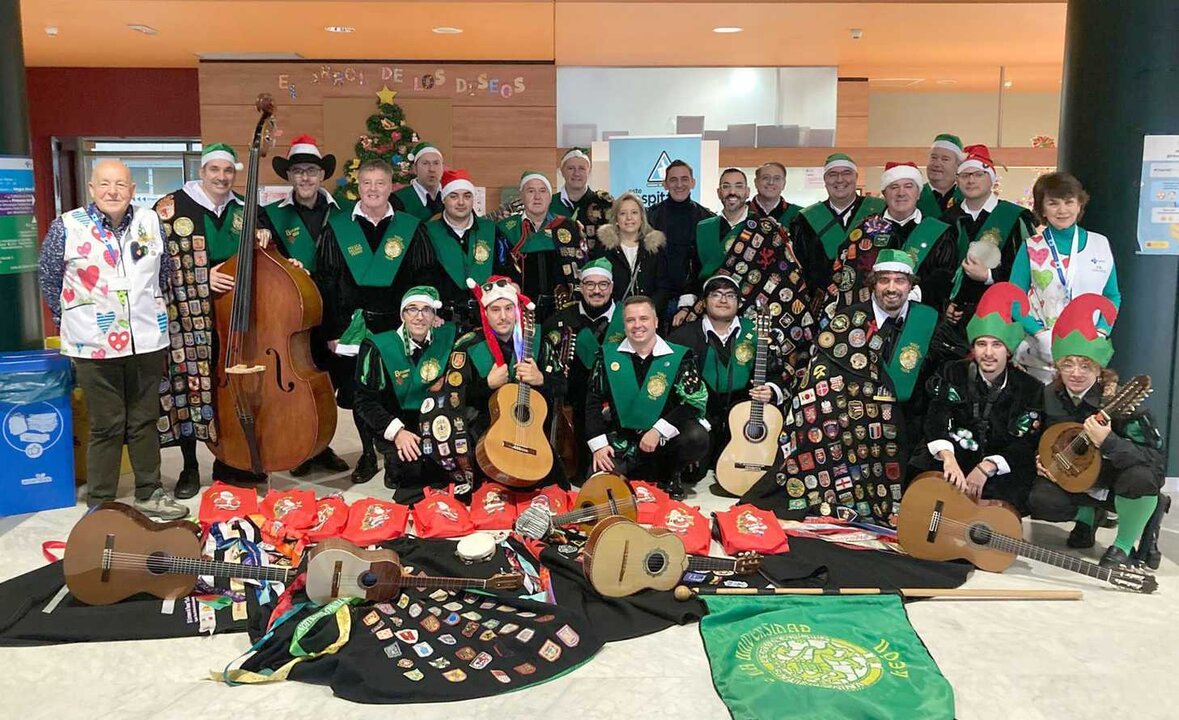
{"points": [[844, 657]]}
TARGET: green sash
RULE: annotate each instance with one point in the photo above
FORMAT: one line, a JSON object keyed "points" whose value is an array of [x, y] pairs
{"points": [[830, 232], [928, 205], [723, 378], [710, 247], [476, 263], [484, 362], [298, 240], [588, 345], [792, 211], [1002, 220], [540, 241], [413, 204], [908, 351], [368, 268], [559, 208], [411, 381], [923, 238], [223, 242], [639, 408]]}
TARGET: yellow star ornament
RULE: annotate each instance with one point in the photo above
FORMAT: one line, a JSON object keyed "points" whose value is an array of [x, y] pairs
{"points": [[386, 95]]}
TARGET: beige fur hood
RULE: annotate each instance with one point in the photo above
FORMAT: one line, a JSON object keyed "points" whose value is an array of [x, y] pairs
{"points": [[653, 241]]}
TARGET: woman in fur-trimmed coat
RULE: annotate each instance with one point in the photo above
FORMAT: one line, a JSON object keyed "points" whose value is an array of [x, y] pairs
{"points": [[635, 249]]}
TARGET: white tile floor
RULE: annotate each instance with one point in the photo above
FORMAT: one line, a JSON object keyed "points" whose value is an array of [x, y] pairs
{"points": [[1110, 655]]}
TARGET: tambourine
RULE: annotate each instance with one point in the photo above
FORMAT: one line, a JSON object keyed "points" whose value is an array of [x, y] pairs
{"points": [[475, 548]]}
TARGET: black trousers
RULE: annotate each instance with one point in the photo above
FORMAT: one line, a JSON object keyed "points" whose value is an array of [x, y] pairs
{"points": [[1050, 502], [670, 458]]}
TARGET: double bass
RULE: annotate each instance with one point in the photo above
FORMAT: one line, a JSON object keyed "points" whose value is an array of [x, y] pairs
{"points": [[273, 408]]}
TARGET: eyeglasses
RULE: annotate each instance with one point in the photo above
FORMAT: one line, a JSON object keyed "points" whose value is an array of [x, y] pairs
{"points": [[722, 295], [309, 171], [976, 175], [412, 310], [1070, 365], [603, 285]]}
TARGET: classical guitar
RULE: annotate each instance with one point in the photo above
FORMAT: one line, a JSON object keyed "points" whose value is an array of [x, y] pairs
{"points": [[1067, 452], [116, 552], [338, 569], [603, 495], [515, 450], [754, 426], [622, 557], [938, 522]]}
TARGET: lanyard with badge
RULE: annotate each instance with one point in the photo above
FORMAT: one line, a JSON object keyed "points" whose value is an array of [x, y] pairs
{"points": [[115, 251], [1065, 277]]}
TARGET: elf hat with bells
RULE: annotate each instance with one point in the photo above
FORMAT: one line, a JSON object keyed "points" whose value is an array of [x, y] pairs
{"points": [[1075, 331], [496, 288]]}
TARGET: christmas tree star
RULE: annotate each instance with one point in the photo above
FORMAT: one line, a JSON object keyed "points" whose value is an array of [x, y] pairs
{"points": [[386, 95]]}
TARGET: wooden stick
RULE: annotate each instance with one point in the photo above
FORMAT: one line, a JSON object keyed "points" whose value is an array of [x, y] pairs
{"points": [[683, 592]]}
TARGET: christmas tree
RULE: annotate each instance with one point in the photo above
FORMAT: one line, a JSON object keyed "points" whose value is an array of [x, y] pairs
{"points": [[388, 138]]}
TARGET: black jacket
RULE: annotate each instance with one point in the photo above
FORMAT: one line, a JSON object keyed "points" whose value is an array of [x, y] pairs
{"points": [[681, 241], [650, 265]]}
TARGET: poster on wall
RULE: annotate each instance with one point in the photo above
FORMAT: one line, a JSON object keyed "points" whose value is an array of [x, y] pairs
{"points": [[638, 164], [18, 225], [1158, 196]]}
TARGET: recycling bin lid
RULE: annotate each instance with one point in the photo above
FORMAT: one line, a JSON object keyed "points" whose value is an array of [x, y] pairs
{"points": [[25, 361]]}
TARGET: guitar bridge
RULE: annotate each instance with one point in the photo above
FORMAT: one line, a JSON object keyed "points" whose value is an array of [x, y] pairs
{"points": [[519, 448], [935, 519], [107, 550], [757, 467]]}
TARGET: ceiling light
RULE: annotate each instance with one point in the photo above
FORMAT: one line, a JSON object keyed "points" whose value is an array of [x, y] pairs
{"points": [[51, 30], [727, 30], [145, 29], [340, 29], [947, 82], [447, 30], [1007, 84]]}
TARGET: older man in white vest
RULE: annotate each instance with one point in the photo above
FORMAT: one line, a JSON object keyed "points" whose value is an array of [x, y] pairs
{"points": [[105, 275]]}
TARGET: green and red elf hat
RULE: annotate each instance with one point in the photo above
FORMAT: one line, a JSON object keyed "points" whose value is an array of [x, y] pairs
{"points": [[999, 315], [499, 287], [1075, 331]]}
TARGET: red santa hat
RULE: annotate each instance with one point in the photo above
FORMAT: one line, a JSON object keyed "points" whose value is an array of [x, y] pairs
{"points": [[895, 172], [496, 288], [456, 181], [978, 157]]}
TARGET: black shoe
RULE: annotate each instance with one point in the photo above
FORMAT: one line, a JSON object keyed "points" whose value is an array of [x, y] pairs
{"points": [[1115, 557], [366, 468], [235, 476], [390, 478], [329, 460], [1147, 551], [302, 468], [188, 484], [674, 488], [1082, 537]]}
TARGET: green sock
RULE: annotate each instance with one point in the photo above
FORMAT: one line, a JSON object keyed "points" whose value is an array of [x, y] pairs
{"points": [[1133, 514], [1086, 514]]}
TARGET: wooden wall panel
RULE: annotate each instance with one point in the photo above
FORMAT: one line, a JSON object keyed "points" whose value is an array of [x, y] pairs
{"points": [[505, 127], [502, 167], [851, 112], [235, 123]]}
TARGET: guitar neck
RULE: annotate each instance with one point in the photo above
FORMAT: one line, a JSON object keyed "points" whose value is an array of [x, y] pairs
{"points": [[759, 372], [705, 563], [1052, 557], [433, 582], [215, 568]]}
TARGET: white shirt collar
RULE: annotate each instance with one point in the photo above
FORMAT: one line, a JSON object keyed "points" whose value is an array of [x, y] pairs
{"points": [[1079, 398], [990, 384], [608, 314], [991, 203], [413, 344], [357, 211], [661, 347], [196, 192], [840, 211], [290, 198], [706, 324], [420, 189], [915, 217], [881, 315], [568, 201], [764, 209], [741, 219], [460, 230]]}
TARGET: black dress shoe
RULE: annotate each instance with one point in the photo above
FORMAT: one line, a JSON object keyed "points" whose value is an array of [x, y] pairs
{"points": [[366, 468], [188, 484], [1115, 557], [329, 460], [674, 488], [235, 476], [302, 468], [1147, 551], [1082, 537]]}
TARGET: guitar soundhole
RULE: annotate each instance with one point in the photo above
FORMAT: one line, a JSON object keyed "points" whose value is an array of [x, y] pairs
{"points": [[656, 561], [158, 563], [755, 432], [523, 415], [368, 579], [980, 534]]}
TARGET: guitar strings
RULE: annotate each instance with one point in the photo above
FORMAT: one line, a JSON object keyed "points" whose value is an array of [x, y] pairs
{"points": [[1015, 545]]}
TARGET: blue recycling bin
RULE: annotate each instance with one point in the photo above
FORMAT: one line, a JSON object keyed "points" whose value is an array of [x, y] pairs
{"points": [[36, 425]]}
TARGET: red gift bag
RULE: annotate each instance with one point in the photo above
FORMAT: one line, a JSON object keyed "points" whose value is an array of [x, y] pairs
{"points": [[493, 507], [372, 521], [551, 498], [295, 509], [331, 515], [745, 527], [687, 522], [222, 501], [653, 502], [441, 515]]}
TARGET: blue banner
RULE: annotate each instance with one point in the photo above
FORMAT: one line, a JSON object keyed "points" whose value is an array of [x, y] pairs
{"points": [[637, 164]]}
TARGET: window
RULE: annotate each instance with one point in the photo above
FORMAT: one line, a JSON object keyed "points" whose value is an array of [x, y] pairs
{"points": [[158, 166]]}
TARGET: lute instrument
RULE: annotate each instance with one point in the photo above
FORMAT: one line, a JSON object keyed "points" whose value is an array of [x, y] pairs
{"points": [[603, 495], [938, 522], [273, 407], [754, 427], [1067, 452], [622, 558], [515, 450]]}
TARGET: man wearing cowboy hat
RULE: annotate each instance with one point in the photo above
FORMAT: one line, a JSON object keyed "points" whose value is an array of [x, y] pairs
{"points": [[422, 197], [300, 222], [576, 199]]}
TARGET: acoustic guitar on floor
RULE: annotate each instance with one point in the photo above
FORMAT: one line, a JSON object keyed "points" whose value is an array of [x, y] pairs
{"points": [[1067, 452], [622, 558], [754, 426], [515, 450], [938, 522], [603, 495]]}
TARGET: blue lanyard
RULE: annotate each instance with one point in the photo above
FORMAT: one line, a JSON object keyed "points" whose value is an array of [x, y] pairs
{"points": [[103, 234], [1068, 293]]}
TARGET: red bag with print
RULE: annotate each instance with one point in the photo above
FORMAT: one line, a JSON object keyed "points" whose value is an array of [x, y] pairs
{"points": [[295, 509], [745, 527], [222, 501], [331, 515], [551, 498], [653, 502], [372, 521], [440, 515], [687, 522], [493, 507]]}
